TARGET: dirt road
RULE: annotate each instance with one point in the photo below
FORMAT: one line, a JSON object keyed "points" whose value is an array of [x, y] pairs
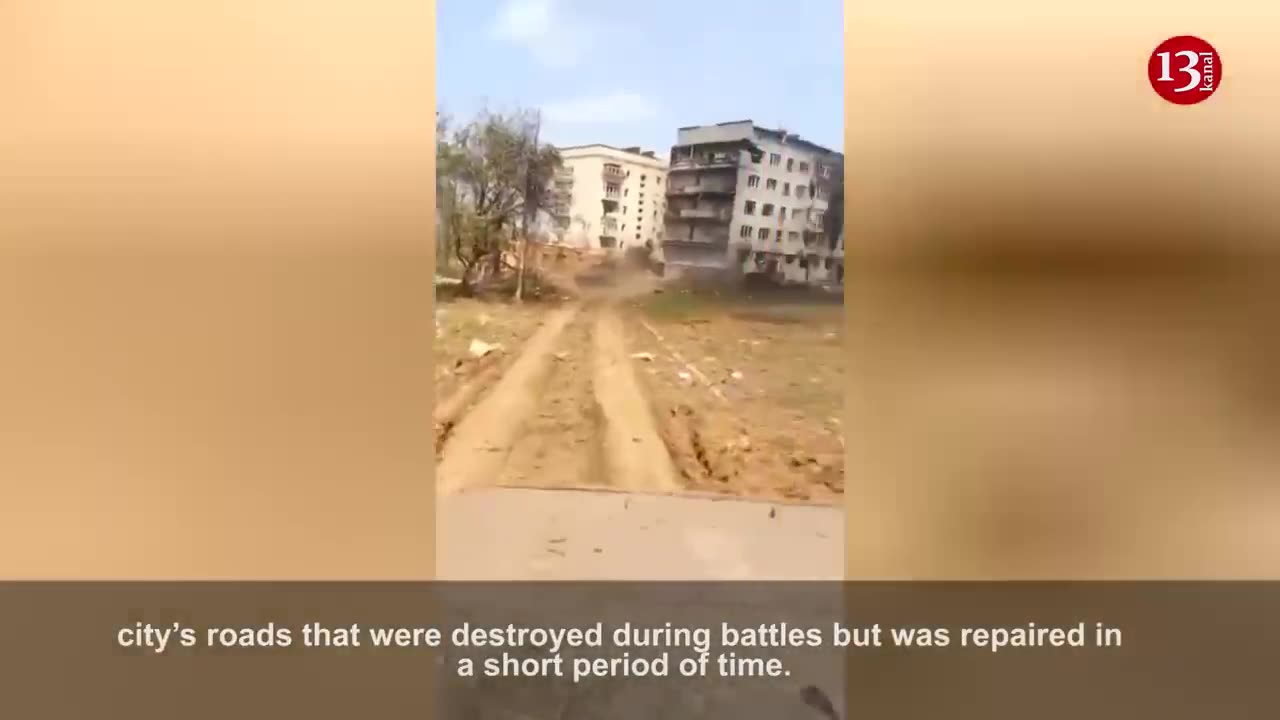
{"points": [[568, 412], [635, 387]]}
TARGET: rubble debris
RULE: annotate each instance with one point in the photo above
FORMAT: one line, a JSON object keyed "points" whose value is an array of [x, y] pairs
{"points": [[480, 348]]}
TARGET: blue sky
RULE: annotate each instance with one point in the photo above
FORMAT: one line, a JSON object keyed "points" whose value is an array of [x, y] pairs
{"points": [[630, 73]]}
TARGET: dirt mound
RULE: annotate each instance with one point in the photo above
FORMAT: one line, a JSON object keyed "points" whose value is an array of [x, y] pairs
{"points": [[722, 458], [684, 436]]}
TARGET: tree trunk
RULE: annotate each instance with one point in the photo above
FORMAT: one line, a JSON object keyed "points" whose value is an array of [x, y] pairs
{"points": [[465, 286], [523, 245], [495, 268], [530, 211], [524, 250]]}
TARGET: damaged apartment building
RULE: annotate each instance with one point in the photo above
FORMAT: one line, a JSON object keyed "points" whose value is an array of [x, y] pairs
{"points": [[748, 199], [608, 198]]}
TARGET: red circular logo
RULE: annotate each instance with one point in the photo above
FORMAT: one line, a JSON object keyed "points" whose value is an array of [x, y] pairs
{"points": [[1185, 70]]}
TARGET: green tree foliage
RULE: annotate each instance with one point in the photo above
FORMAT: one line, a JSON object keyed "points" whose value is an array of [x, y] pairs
{"points": [[493, 179]]}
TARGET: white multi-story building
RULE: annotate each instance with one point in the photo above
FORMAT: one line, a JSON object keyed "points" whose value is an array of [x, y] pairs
{"points": [[751, 199], [607, 197]]}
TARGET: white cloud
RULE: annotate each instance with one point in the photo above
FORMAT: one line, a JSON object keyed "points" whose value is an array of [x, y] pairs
{"points": [[525, 20], [614, 107], [547, 30]]}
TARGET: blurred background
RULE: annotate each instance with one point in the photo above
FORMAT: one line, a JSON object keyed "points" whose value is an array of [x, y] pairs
{"points": [[213, 220], [215, 271], [1063, 295]]}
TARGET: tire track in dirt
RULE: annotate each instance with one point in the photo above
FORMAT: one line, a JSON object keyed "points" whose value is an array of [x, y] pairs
{"points": [[569, 412], [636, 456], [478, 446], [561, 445], [449, 409]]}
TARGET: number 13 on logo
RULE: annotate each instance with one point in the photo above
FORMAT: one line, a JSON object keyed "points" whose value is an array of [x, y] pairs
{"points": [[1185, 70]]}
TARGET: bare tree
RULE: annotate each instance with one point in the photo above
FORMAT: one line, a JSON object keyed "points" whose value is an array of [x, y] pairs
{"points": [[540, 165], [492, 173], [446, 189]]}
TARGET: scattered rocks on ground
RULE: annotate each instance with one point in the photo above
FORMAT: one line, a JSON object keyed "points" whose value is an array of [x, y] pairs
{"points": [[480, 348], [800, 460], [645, 356]]}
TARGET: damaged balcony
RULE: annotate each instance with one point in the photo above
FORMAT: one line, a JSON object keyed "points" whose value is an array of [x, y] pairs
{"points": [[705, 214], [697, 244], [813, 223], [701, 188], [561, 201], [705, 161], [816, 242], [608, 232], [716, 243], [697, 238], [713, 156]]}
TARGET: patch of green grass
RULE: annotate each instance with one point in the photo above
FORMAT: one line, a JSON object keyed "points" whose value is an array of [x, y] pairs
{"points": [[680, 305], [688, 305]]}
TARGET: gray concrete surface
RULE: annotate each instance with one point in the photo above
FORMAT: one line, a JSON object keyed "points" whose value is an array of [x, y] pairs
{"points": [[527, 534]]}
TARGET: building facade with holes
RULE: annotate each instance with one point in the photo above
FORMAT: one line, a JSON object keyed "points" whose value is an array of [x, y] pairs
{"points": [[751, 200], [608, 198]]}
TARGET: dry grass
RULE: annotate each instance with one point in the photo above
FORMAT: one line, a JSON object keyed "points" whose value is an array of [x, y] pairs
{"points": [[462, 320], [750, 390]]}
